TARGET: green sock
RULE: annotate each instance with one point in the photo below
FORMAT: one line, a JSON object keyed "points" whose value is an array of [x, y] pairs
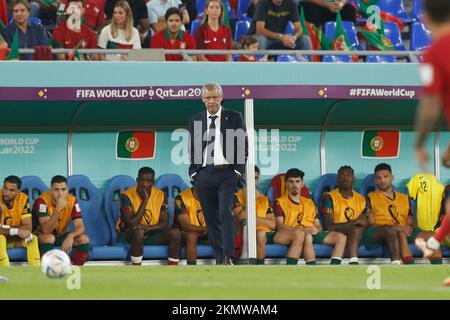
{"points": [[261, 261], [410, 261], [44, 247], [192, 262], [311, 262], [335, 261], [291, 261], [243, 222], [436, 261], [83, 247]]}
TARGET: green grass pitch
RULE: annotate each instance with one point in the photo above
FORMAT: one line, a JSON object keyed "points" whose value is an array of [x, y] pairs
{"points": [[225, 282]]}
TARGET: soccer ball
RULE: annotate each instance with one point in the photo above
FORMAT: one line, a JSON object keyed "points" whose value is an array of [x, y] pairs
{"points": [[55, 264]]}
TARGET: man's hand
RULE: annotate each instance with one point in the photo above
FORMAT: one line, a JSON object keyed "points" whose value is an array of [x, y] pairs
{"points": [[311, 230], [67, 244], [142, 193], [23, 234], [446, 157], [288, 41], [61, 203], [422, 157]]}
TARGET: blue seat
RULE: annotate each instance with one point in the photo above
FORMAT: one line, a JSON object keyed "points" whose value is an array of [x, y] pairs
{"points": [[242, 9], [194, 25], [242, 27], [396, 8], [368, 185], [417, 10], [326, 183], [90, 201], [200, 5], [392, 32], [289, 28], [420, 37], [337, 59], [287, 58], [349, 29], [172, 185], [116, 186], [33, 186], [381, 59]]}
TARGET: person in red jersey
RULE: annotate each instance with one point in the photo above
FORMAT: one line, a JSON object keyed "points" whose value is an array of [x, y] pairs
{"points": [[212, 34], [94, 13], [72, 33], [249, 43], [172, 37], [435, 76]]}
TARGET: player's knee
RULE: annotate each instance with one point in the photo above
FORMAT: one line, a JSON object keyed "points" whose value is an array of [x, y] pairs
{"points": [[260, 237], [298, 235], [46, 238], [341, 238], [391, 233], [191, 237], [175, 235], [83, 239]]}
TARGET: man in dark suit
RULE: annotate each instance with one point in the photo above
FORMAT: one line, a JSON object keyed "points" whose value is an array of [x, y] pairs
{"points": [[218, 153]]}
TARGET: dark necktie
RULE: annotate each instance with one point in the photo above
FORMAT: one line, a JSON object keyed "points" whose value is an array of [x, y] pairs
{"points": [[211, 139]]}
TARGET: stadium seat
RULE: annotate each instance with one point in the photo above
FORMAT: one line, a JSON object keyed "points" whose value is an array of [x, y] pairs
{"points": [[289, 28], [396, 8], [194, 25], [242, 9], [172, 185], [116, 186], [326, 183], [368, 185], [417, 10], [287, 58], [349, 29], [381, 59], [33, 186], [392, 32], [242, 27], [90, 201], [200, 5], [420, 37], [337, 59]]}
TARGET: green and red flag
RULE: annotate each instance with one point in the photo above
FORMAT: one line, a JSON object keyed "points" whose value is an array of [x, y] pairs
{"points": [[364, 6], [318, 39], [340, 41], [135, 144], [3, 13], [380, 144], [14, 52], [376, 38], [75, 55]]}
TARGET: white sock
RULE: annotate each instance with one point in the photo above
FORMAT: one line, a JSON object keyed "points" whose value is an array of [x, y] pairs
{"points": [[173, 260], [353, 260], [433, 244], [136, 260], [396, 262]]}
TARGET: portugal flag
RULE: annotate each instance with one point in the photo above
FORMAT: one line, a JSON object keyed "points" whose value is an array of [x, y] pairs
{"points": [[135, 144], [380, 144], [3, 14]]}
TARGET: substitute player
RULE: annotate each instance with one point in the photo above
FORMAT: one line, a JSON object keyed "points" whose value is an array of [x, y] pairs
{"points": [[15, 222], [54, 209]]}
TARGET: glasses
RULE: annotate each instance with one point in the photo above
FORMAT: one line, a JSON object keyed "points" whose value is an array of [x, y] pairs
{"points": [[212, 98]]}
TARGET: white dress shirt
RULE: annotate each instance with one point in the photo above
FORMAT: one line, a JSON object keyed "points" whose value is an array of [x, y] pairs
{"points": [[219, 158]]}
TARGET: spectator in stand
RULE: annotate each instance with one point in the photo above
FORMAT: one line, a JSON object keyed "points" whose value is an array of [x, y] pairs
{"points": [[172, 37], [157, 10], [212, 34], [120, 33], [31, 34], [269, 25], [72, 33], [140, 15], [191, 8], [46, 10], [94, 13], [249, 43], [321, 11]]}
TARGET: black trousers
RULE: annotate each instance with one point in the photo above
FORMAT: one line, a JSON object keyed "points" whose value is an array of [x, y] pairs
{"points": [[320, 15], [215, 189]]}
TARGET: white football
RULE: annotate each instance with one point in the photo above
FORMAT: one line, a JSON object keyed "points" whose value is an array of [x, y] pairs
{"points": [[55, 264]]}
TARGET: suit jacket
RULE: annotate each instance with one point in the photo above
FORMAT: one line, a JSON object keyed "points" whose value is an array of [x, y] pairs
{"points": [[230, 119]]}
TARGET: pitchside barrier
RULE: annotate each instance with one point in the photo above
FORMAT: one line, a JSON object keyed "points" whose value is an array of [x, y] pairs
{"points": [[74, 119]]}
